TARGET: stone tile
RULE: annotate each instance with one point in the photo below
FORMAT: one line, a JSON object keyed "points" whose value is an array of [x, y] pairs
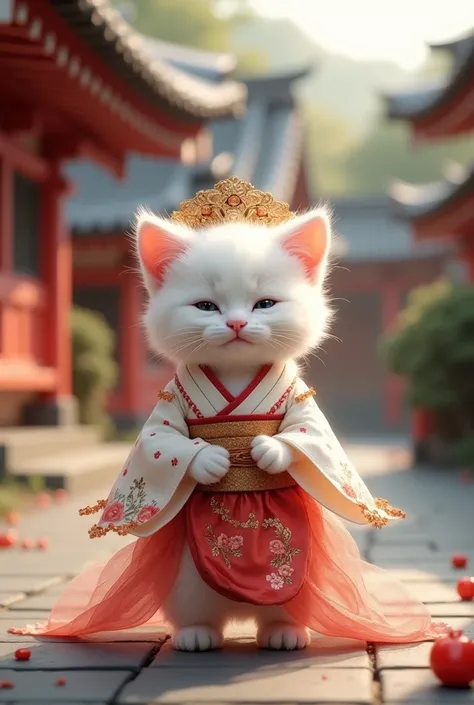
{"points": [[10, 598], [455, 609], [434, 592], [60, 656], [243, 653], [419, 575], [244, 685], [81, 687], [42, 602], [411, 656], [406, 553], [27, 584], [419, 685]]}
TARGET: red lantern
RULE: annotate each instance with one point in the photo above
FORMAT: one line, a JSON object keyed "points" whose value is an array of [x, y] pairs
{"points": [[465, 588], [459, 560], [452, 660]]}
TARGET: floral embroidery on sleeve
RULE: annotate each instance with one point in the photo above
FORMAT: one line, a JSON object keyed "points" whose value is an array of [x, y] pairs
{"points": [[124, 511]]}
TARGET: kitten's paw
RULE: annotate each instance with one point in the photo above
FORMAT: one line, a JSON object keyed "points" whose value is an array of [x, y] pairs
{"points": [[271, 455], [286, 637], [210, 465], [197, 639]]}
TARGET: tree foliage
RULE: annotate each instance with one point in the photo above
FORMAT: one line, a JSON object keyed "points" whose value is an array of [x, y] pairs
{"points": [[432, 346], [94, 368], [201, 24]]}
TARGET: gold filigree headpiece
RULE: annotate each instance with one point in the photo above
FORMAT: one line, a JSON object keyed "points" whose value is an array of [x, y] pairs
{"points": [[231, 200]]}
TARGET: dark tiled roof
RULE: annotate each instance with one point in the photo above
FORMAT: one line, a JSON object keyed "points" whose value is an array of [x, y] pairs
{"points": [[420, 102], [367, 232], [206, 64], [263, 147], [161, 83], [413, 202]]}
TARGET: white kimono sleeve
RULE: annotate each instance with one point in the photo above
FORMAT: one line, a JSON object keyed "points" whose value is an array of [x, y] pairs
{"points": [[321, 466], [153, 485]]}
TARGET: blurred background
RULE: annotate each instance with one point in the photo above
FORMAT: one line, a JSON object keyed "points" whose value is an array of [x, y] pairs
{"points": [[109, 105]]}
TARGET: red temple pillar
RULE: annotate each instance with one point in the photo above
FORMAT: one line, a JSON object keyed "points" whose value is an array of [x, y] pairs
{"points": [[390, 309], [57, 407], [131, 348]]}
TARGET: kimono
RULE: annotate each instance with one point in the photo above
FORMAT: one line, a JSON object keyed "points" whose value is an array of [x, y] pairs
{"points": [[254, 537]]}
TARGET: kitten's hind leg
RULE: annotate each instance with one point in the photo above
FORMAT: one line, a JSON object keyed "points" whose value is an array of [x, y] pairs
{"points": [[196, 613], [277, 630]]}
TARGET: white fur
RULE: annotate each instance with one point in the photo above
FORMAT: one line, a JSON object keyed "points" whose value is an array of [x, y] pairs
{"points": [[233, 266]]}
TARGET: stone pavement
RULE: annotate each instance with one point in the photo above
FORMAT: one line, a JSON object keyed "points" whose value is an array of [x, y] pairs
{"points": [[141, 668]]}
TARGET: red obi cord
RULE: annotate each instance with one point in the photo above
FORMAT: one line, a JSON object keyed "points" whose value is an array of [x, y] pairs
{"points": [[250, 546]]}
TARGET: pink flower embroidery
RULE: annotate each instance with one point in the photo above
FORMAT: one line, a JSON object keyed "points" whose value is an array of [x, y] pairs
{"points": [[222, 540], [125, 472], [146, 513], [285, 571], [235, 542], [302, 430], [114, 512], [276, 581], [277, 547], [174, 462], [157, 454], [166, 423], [349, 491]]}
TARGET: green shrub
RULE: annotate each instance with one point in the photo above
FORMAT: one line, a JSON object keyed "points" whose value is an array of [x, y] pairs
{"points": [[432, 346], [94, 368]]}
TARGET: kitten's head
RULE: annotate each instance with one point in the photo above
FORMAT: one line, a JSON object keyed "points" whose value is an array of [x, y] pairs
{"points": [[235, 294]]}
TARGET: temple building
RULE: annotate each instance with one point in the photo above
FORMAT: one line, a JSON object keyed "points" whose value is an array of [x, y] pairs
{"points": [[376, 265], [441, 211], [265, 146], [444, 208], [76, 82]]}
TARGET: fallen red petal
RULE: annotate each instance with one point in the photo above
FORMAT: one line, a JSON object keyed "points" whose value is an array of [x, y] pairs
{"points": [[22, 654], [61, 681], [6, 684]]}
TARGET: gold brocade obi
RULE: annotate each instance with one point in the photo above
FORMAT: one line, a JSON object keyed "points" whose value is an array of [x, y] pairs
{"points": [[236, 437]]}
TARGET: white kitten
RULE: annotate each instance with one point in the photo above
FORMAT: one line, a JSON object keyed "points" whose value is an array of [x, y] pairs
{"points": [[266, 286]]}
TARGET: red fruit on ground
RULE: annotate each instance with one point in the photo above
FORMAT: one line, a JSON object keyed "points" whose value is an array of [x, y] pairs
{"points": [[452, 660], [459, 560], [27, 544], [22, 654], [43, 500], [60, 495], [465, 588], [42, 543], [8, 539], [61, 681], [6, 684], [12, 518]]}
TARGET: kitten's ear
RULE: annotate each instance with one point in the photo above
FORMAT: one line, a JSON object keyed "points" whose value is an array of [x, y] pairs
{"points": [[308, 237], [158, 244]]}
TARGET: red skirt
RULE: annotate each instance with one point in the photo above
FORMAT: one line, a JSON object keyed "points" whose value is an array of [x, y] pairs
{"points": [[273, 547], [250, 546]]}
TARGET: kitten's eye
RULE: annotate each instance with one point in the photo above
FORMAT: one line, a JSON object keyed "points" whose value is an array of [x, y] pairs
{"points": [[206, 306], [265, 303]]}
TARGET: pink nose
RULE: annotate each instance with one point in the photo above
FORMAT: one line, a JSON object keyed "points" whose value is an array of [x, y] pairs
{"points": [[237, 325]]}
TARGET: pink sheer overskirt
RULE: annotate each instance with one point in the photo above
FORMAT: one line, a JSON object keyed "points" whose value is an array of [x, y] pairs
{"points": [[342, 596]]}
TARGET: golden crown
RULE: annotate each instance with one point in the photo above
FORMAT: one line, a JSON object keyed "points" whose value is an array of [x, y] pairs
{"points": [[231, 200]]}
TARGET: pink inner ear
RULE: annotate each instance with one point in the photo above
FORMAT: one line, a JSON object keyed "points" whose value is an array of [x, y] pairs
{"points": [[309, 244], [158, 249]]}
